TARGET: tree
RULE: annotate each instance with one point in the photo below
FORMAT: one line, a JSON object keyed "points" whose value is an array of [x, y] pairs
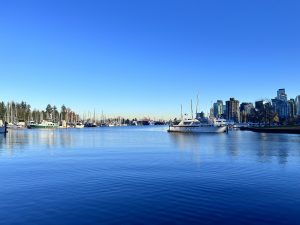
{"points": [[55, 114], [49, 111], [2, 111], [63, 112]]}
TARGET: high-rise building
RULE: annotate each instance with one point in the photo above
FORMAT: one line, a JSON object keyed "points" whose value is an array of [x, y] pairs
{"points": [[224, 109], [200, 115], [297, 102], [292, 108], [280, 104], [233, 110], [211, 113], [218, 109], [245, 110], [259, 105], [281, 95]]}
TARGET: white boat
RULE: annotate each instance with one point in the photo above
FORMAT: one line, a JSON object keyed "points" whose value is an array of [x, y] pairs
{"points": [[79, 125], [194, 126], [44, 124]]}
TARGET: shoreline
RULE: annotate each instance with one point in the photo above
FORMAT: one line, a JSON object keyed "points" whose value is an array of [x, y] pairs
{"points": [[280, 129]]}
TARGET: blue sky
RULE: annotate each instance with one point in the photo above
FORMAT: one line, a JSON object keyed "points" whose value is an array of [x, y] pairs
{"points": [[145, 58]]}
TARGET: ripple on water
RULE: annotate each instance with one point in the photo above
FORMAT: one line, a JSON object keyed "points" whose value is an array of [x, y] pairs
{"points": [[148, 176]]}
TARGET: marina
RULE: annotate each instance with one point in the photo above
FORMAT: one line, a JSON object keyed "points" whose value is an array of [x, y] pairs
{"points": [[149, 112]]}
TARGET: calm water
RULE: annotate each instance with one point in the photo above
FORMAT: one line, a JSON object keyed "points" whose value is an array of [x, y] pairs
{"points": [[144, 175]]}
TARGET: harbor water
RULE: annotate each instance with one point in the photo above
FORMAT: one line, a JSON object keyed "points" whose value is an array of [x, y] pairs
{"points": [[145, 175]]}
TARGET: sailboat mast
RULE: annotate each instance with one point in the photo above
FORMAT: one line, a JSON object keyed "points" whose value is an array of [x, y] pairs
{"points": [[192, 109], [11, 113], [94, 116], [197, 105]]}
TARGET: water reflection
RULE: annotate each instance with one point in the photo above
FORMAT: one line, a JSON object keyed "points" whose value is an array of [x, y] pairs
{"points": [[239, 145], [277, 145], [236, 145], [16, 140], [199, 145]]}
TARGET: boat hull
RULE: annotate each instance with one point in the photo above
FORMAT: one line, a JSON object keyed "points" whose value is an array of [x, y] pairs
{"points": [[42, 127], [212, 129]]}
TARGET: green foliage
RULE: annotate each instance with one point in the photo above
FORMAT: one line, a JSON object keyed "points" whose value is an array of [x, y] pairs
{"points": [[2, 111]]}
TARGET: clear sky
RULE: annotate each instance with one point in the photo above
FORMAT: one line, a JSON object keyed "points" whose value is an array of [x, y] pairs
{"points": [[145, 58]]}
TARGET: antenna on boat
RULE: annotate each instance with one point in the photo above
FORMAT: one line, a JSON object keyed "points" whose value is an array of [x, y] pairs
{"points": [[181, 113], [192, 108]]}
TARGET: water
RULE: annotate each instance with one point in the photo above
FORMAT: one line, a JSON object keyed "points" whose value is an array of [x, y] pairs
{"points": [[144, 175]]}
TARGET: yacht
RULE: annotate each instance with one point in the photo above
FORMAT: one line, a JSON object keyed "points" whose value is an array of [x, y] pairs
{"points": [[194, 126], [43, 124], [89, 124], [79, 125]]}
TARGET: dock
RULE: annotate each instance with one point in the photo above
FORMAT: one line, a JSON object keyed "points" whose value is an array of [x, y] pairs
{"points": [[278, 129]]}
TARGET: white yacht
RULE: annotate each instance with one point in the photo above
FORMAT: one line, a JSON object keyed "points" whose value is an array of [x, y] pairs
{"points": [[194, 126], [79, 125]]}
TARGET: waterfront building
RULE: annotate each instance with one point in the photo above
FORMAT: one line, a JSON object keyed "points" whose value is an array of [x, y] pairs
{"points": [[292, 108], [259, 105], [245, 111], [224, 110], [218, 109], [200, 116], [233, 110], [297, 102], [281, 95], [281, 105], [211, 113]]}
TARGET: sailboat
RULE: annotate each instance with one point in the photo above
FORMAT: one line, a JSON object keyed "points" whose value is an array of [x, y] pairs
{"points": [[103, 121], [90, 123]]}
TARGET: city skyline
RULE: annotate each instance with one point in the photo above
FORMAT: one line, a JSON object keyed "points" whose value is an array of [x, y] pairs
{"points": [[231, 109], [146, 59]]}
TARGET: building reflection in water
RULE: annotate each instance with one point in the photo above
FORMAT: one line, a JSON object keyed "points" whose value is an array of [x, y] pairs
{"points": [[239, 145], [198, 145], [235, 146], [277, 145]]}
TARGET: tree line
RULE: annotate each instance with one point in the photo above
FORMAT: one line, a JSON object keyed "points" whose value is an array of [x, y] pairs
{"points": [[13, 112]]}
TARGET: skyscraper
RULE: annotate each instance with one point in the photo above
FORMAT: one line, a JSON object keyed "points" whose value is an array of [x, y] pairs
{"points": [[281, 95], [292, 108], [245, 111], [281, 105], [233, 110], [259, 105], [218, 108], [297, 102]]}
